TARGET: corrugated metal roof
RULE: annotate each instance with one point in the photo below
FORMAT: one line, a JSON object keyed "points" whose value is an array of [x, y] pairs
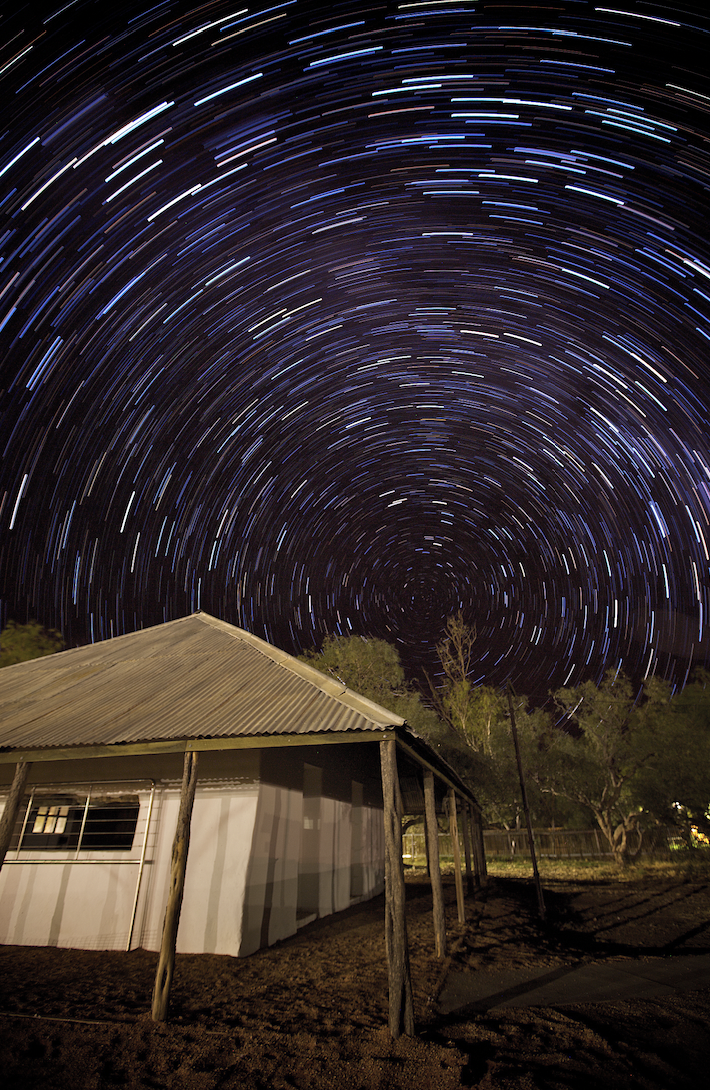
{"points": [[197, 677]]}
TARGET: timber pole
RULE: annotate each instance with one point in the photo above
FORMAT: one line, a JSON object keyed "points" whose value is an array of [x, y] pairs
{"points": [[479, 851], [484, 868], [476, 848], [526, 808], [454, 830], [401, 1004], [9, 814], [178, 863], [466, 822], [426, 847], [432, 839]]}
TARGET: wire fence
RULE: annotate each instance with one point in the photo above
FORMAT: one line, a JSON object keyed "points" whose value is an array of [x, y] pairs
{"points": [[549, 843]]}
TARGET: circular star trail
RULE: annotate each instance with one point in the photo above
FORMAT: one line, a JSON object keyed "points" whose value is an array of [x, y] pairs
{"points": [[342, 318]]}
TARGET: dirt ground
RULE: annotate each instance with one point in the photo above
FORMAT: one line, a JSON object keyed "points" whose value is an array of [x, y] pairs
{"points": [[311, 1013]]}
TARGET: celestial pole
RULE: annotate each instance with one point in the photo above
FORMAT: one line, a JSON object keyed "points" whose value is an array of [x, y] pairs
{"points": [[342, 318]]}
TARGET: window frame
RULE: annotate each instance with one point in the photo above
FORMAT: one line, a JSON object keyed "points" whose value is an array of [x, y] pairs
{"points": [[83, 802]]}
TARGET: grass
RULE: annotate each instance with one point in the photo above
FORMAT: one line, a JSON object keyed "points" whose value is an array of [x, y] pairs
{"points": [[690, 866], [693, 865]]}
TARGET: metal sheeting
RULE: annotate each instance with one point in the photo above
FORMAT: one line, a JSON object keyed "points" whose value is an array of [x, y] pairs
{"points": [[197, 677]]}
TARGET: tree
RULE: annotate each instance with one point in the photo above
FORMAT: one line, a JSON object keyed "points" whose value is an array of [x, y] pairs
{"points": [[479, 741], [470, 711], [373, 668], [21, 642], [675, 784], [500, 790], [618, 737]]}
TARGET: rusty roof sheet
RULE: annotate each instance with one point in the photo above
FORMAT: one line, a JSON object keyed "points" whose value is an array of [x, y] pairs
{"points": [[197, 677]]}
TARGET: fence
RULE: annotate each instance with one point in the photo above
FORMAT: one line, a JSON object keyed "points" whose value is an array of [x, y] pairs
{"points": [[549, 843]]}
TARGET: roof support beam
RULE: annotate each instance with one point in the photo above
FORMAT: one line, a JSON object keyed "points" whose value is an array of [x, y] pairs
{"points": [[437, 770], [7, 821], [196, 745], [454, 830], [466, 824], [401, 1004], [431, 829], [178, 863], [479, 851]]}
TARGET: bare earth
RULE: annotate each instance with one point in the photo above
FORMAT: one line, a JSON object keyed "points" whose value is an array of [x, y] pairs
{"points": [[311, 1013]]}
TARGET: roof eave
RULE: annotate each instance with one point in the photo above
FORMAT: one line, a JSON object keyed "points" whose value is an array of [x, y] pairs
{"points": [[196, 745]]}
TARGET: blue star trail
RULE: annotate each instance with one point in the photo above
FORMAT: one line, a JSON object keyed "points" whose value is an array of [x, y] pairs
{"points": [[342, 318]]}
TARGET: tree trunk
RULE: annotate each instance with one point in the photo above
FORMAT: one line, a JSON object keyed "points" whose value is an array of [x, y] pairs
{"points": [[617, 837], [437, 893], [178, 863], [9, 814], [401, 1005]]}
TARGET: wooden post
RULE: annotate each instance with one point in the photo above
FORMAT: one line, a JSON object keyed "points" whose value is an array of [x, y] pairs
{"points": [[466, 822], [526, 808], [178, 862], [426, 847], [437, 893], [401, 1005], [7, 821], [477, 851], [483, 873], [454, 829]]}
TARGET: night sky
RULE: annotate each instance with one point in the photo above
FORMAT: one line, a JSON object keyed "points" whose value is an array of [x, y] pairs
{"points": [[343, 317]]}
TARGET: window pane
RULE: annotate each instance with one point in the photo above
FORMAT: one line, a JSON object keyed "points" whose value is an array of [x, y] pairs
{"points": [[56, 824]]}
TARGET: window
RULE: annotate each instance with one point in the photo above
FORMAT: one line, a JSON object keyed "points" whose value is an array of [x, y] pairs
{"points": [[51, 819], [76, 823], [110, 824]]}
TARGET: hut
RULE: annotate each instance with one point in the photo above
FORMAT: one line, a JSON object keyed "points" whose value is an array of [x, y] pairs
{"points": [[102, 793]]}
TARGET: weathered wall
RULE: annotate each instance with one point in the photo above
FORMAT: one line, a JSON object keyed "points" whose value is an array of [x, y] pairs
{"points": [[279, 837], [318, 839], [220, 844], [87, 903]]}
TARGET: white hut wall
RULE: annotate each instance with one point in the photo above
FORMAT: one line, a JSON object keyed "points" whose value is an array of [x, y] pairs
{"points": [[318, 840], [52, 894], [58, 897], [278, 837], [221, 834], [88, 908]]}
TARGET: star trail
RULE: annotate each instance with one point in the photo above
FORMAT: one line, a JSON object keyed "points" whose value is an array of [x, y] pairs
{"points": [[342, 318]]}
